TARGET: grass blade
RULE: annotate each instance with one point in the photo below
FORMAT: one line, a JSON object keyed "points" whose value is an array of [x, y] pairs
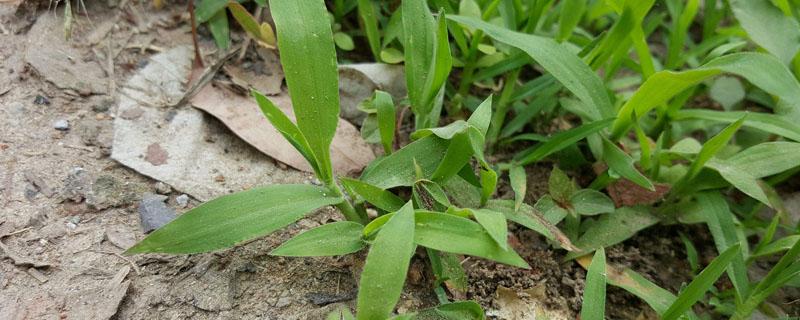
{"points": [[594, 294], [449, 233], [723, 230], [308, 58], [562, 140], [228, 220], [386, 266], [698, 287], [332, 239], [564, 65], [622, 163], [381, 198]]}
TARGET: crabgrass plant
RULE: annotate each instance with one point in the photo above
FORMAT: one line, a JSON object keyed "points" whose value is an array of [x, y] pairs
{"points": [[589, 62]]}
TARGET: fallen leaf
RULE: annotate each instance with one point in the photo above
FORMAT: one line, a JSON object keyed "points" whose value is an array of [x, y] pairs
{"points": [[349, 152], [267, 82], [183, 132], [626, 193]]}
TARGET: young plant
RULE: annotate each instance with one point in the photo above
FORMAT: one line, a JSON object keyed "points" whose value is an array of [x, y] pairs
{"points": [[436, 166]]}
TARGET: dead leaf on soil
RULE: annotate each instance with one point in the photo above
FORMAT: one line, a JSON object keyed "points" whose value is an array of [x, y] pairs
{"points": [[199, 148], [349, 152], [627, 194]]}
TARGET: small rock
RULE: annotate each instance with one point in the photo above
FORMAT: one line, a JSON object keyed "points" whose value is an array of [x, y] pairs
{"points": [[283, 302], [131, 114], [121, 237], [77, 185], [62, 125], [103, 106], [41, 100], [182, 200], [219, 178], [162, 188], [153, 213]]}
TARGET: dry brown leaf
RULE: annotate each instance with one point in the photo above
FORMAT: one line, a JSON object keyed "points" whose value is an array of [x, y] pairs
{"points": [[267, 82], [349, 152], [626, 193]]}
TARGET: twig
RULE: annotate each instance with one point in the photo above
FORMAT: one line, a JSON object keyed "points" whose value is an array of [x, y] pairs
{"points": [[79, 148], [198, 59]]}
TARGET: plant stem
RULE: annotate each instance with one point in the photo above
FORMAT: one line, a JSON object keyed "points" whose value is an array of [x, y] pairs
{"points": [[346, 207], [499, 116]]}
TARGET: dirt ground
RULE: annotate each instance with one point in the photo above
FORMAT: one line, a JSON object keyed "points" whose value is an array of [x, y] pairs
{"points": [[69, 210]]}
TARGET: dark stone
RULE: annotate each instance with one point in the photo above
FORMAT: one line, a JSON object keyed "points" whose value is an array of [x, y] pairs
{"points": [[154, 213]]}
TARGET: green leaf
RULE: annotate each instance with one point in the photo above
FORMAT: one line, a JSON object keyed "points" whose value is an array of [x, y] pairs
{"points": [[780, 245], [542, 218], [386, 266], [287, 128], [332, 239], [494, 223], [571, 13], [469, 8], [762, 160], [343, 41], [766, 122], [369, 21], [343, 313], [762, 70], [488, 184], [768, 27], [622, 163], [218, 25], [427, 57], [723, 229], [556, 59], [562, 140], [591, 202], [381, 198], [594, 294], [391, 56], [457, 156], [728, 91], [304, 31], [613, 228], [449, 233], [482, 116], [386, 119], [698, 287], [231, 219], [397, 169], [709, 150], [206, 9], [246, 20], [560, 186], [519, 183]]}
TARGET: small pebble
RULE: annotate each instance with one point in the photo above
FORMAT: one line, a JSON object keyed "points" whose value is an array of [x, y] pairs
{"points": [[182, 200], [41, 100], [62, 125], [162, 188]]}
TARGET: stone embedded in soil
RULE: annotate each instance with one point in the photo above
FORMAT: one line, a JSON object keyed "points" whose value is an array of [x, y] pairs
{"points": [[182, 200], [154, 213], [162, 188], [61, 124]]}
